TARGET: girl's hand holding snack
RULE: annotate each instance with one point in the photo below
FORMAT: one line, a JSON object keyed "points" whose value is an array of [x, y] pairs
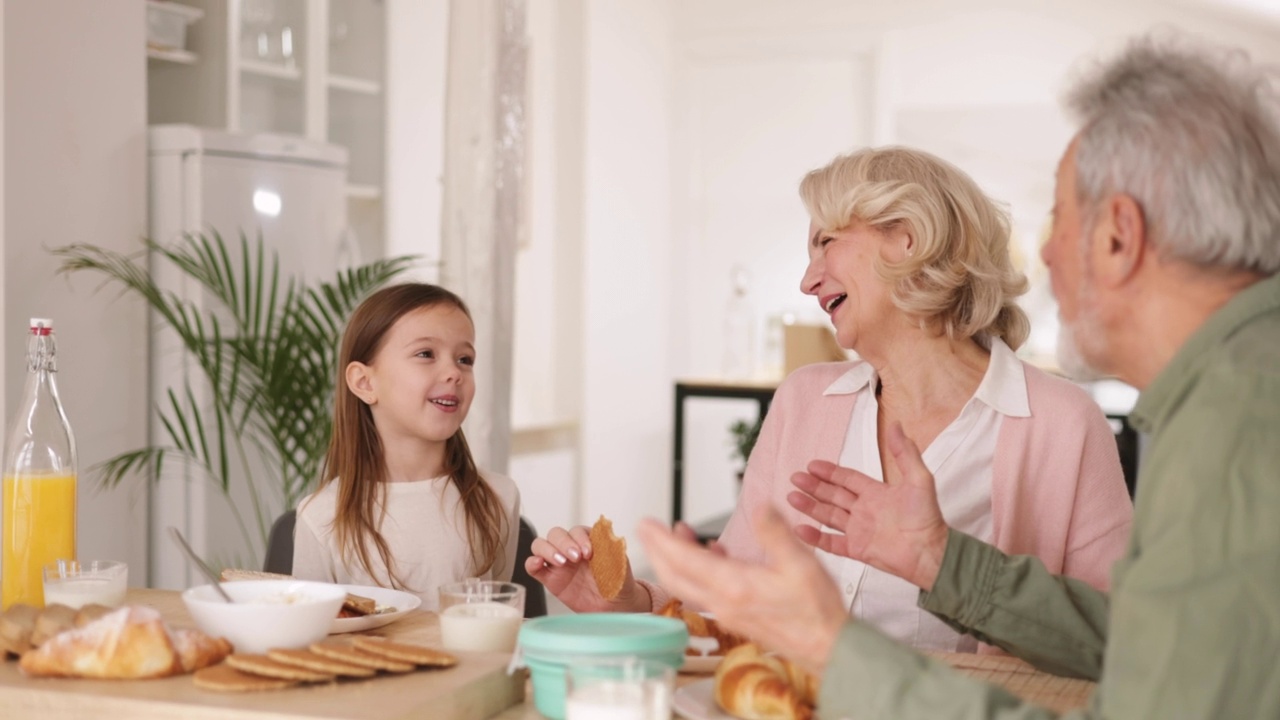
{"points": [[587, 569]]}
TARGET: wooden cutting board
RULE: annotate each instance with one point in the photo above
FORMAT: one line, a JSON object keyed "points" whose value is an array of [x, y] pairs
{"points": [[477, 688]]}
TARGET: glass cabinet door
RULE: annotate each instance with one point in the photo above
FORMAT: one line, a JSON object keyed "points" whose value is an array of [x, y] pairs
{"points": [[271, 47]]}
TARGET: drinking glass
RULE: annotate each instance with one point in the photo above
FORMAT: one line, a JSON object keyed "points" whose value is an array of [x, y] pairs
{"points": [[626, 688], [481, 615], [76, 583]]}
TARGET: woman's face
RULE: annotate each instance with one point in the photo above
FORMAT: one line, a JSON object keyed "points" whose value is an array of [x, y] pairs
{"points": [[842, 276]]}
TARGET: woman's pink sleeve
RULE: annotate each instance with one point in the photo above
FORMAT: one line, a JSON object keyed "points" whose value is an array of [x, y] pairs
{"points": [[1102, 514]]}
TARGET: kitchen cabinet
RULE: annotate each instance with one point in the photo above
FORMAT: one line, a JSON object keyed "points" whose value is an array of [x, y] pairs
{"points": [[311, 68]]}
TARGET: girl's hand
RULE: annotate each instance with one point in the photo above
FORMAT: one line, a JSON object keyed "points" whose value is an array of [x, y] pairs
{"points": [[561, 562]]}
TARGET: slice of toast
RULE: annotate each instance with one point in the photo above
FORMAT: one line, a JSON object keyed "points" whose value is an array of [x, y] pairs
{"points": [[353, 606]]}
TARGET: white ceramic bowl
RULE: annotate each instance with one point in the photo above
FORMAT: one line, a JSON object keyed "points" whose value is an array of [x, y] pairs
{"points": [[266, 614]]}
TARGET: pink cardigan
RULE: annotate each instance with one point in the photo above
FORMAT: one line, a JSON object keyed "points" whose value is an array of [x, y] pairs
{"points": [[1057, 490]]}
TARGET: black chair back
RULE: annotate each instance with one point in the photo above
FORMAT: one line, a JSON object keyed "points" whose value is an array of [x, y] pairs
{"points": [[280, 545], [535, 595]]}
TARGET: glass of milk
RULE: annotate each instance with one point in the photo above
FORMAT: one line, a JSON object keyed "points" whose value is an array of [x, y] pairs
{"points": [[481, 615], [76, 583], [624, 688]]}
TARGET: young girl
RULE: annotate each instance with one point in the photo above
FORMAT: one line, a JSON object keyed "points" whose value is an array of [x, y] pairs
{"points": [[401, 503]]}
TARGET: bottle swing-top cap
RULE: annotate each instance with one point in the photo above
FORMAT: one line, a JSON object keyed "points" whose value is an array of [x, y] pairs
{"points": [[41, 326]]}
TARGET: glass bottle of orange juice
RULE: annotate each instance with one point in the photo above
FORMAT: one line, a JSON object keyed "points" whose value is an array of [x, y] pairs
{"points": [[39, 514]]}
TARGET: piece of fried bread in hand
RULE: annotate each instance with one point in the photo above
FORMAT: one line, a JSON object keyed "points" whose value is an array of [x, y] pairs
{"points": [[608, 559]]}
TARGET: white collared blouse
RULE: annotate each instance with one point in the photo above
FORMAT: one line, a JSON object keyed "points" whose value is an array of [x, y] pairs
{"points": [[961, 460]]}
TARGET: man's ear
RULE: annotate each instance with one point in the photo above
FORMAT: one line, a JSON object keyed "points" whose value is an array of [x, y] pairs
{"points": [[1120, 240], [359, 382]]}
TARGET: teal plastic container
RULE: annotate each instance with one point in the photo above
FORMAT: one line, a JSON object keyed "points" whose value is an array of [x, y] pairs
{"points": [[548, 644]]}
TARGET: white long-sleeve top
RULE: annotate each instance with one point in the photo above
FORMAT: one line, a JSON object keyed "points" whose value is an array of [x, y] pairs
{"points": [[425, 530]]}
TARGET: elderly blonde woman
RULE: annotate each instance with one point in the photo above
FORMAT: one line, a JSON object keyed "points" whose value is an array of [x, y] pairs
{"points": [[910, 260]]}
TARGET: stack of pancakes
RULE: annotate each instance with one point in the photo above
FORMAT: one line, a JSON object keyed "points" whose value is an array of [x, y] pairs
{"points": [[326, 661]]}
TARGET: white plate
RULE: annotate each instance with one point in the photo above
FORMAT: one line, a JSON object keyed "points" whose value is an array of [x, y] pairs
{"points": [[696, 701], [700, 664], [403, 602]]}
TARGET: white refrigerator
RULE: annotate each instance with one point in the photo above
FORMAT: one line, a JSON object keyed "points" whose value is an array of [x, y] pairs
{"points": [[292, 192]]}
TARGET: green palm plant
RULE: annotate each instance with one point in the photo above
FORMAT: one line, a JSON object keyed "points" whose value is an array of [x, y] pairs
{"points": [[267, 349]]}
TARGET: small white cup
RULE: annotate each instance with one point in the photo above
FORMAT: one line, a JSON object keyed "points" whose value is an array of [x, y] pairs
{"points": [[481, 615], [77, 583], [625, 688]]}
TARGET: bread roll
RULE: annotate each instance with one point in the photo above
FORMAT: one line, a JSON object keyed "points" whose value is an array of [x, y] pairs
{"points": [[52, 620], [16, 627]]}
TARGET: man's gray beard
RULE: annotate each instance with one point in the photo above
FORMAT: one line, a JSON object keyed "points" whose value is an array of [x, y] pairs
{"points": [[1070, 360]]}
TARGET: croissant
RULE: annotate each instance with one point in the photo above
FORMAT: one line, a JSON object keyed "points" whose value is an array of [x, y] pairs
{"points": [[131, 642], [197, 650], [701, 626], [754, 686]]}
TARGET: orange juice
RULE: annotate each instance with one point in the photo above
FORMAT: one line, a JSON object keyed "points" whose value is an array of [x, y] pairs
{"points": [[39, 527]]}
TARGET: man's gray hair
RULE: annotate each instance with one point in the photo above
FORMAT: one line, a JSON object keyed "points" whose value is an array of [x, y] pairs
{"points": [[1193, 135]]}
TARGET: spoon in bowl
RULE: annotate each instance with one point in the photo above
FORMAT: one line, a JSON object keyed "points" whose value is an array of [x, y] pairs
{"points": [[195, 559]]}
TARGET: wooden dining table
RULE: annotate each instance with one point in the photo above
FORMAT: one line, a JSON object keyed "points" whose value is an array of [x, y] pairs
{"points": [[478, 687]]}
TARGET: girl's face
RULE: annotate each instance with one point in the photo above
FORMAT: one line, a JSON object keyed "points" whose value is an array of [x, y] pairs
{"points": [[842, 276], [420, 383]]}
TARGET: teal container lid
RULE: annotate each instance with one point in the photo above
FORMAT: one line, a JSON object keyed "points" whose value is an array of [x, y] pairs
{"points": [[602, 633]]}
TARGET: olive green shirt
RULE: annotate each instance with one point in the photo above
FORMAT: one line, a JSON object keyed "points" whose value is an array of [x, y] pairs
{"points": [[1191, 628]]}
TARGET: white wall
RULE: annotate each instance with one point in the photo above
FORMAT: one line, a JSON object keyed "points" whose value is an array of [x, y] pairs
{"points": [[74, 171], [546, 401], [627, 284], [736, 206], [417, 54], [976, 82]]}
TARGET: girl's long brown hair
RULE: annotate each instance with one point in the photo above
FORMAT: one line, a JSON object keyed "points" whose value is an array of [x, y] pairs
{"points": [[355, 458]]}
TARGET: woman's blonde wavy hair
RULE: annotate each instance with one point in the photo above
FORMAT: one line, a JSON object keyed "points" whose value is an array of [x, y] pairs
{"points": [[959, 279]]}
